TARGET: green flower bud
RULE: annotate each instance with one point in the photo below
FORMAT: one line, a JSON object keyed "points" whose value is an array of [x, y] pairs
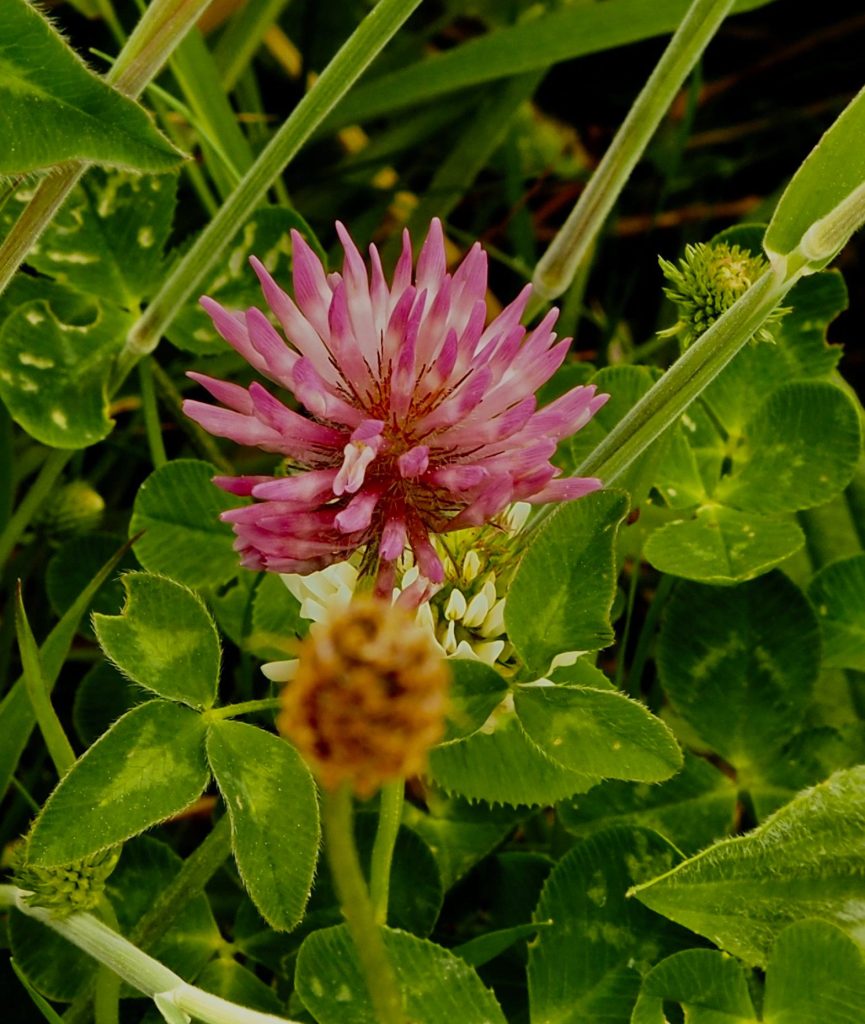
{"points": [[706, 282], [68, 888], [74, 508]]}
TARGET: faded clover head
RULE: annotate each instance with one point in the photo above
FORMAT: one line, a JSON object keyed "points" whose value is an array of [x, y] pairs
{"points": [[420, 417]]}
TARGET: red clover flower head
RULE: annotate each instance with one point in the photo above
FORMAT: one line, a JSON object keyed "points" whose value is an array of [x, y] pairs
{"points": [[421, 417]]}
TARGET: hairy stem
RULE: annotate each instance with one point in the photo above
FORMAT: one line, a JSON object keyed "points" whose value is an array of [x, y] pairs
{"points": [[560, 262], [357, 907], [389, 817]]}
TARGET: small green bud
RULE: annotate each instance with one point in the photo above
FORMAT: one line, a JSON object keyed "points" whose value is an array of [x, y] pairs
{"points": [[706, 283], [73, 509], [69, 888]]}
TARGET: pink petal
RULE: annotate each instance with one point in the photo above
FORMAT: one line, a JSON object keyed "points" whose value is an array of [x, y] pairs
{"points": [[243, 486], [393, 539], [311, 289], [413, 462], [232, 395], [298, 329], [357, 515]]}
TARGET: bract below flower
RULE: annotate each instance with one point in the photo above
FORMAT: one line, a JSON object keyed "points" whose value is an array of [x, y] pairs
{"points": [[422, 418]]}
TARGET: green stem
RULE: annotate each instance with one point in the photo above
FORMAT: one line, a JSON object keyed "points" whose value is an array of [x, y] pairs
{"points": [[242, 37], [247, 707], [389, 818], [159, 31], [629, 618], [172, 994], [560, 262], [668, 398], [41, 487], [357, 907], [337, 78], [59, 748], [151, 414], [647, 633], [106, 996], [197, 870]]}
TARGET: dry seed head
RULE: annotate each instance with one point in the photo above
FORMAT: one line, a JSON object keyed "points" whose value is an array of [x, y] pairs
{"points": [[369, 696]]}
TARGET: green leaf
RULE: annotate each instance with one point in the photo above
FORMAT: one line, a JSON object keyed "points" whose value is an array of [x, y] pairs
{"points": [[831, 171], [838, 595], [16, 714], [102, 696], [72, 567], [266, 235], [501, 764], [556, 35], [271, 802], [149, 765], [739, 665], [236, 983], [44, 1007], [164, 639], [800, 352], [804, 861], [459, 834], [55, 369], [598, 732], [108, 238], [801, 449], [723, 545], [692, 809], [711, 988], [484, 948], [146, 866], [816, 974], [56, 110], [476, 690], [625, 385], [437, 987], [276, 620], [563, 590], [585, 967], [178, 506]]}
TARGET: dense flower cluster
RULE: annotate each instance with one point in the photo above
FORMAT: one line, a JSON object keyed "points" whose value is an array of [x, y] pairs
{"points": [[422, 417], [369, 696]]}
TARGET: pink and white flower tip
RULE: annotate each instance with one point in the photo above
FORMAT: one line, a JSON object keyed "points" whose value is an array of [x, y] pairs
{"points": [[416, 416]]}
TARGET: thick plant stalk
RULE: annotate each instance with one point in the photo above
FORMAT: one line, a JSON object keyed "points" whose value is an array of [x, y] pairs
{"points": [[161, 29], [692, 372], [558, 266], [176, 999], [356, 54]]}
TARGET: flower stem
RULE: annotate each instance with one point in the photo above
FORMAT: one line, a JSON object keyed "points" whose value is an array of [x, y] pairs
{"points": [[197, 870], [137, 968], [560, 262], [357, 907], [668, 398], [337, 78], [389, 817], [247, 707], [162, 27], [41, 487], [151, 414], [106, 996]]}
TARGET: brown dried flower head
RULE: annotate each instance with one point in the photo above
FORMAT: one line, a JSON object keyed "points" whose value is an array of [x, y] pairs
{"points": [[369, 696]]}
